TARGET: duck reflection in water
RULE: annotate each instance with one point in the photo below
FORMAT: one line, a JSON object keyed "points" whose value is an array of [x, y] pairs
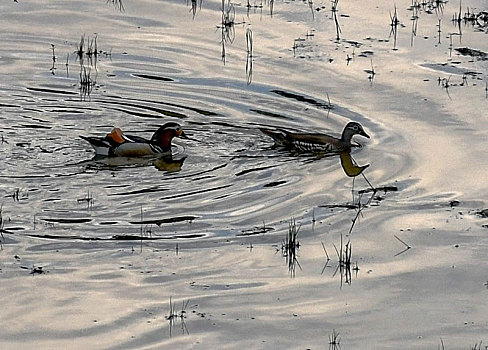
{"points": [[160, 162], [323, 145]]}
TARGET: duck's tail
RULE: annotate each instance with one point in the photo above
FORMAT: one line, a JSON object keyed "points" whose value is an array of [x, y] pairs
{"points": [[100, 146]]}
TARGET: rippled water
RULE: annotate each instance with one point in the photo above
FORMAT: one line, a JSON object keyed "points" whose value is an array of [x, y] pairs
{"points": [[414, 86], [231, 179]]}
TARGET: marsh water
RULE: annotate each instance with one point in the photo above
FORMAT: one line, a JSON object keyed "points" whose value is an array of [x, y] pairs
{"points": [[94, 248]]}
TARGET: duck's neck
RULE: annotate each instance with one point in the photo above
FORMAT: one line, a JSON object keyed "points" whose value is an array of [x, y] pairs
{"points": [[346, 137], [163, 140]]}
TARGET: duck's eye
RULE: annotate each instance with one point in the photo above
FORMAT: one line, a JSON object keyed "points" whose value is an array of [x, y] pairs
{"points": [[355, 127]]}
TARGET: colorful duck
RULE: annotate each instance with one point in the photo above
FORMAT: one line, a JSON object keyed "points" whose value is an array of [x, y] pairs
{"points": [[117, 144]]}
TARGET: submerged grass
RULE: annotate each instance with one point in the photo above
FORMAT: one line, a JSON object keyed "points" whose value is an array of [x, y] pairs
{"points": [[87, 55]]}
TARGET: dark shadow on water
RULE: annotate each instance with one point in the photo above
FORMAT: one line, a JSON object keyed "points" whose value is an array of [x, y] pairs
{"points": [[152, 77], [172, 220], [257, 230], [117, 237], [305, 99]]}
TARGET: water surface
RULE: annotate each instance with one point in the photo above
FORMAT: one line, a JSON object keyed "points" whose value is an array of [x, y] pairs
{"points": [[417, 85]]}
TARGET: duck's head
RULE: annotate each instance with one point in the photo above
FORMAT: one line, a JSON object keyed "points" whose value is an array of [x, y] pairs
{"points": [[351, 129], [163, 136], [116, 135]]}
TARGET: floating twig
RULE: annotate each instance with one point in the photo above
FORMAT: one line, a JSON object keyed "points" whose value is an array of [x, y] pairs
{"points": [[407, 247]]}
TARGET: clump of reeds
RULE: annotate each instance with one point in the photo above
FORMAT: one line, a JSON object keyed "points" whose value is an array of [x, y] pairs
{"points": [[146, 230], [344, 265], [117, 4], [53, 68], [87, 48], [476, 346], [457, 17], [334, 340], [92, 51], [394, 22], [194, 6], [87, 54], [290, 247], [227, 25], [334, 11], [371, 72], [2, 223], [87, 82], [249, 60], [88, 199], [228, 19], [255, 6], [16, 195], [173, 316]]}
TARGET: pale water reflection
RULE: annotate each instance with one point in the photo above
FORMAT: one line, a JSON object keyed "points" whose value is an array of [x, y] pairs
{"points": [[106, 242]]}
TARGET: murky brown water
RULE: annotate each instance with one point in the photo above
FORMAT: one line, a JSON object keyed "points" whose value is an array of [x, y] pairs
{"points": [[419, 88]]}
